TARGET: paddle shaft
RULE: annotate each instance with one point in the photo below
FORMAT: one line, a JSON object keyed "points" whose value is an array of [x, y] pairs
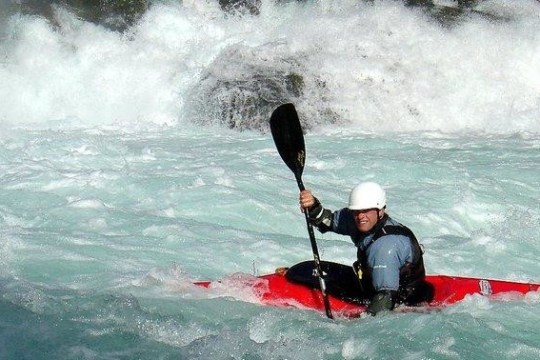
{"points": [[316, 257]]}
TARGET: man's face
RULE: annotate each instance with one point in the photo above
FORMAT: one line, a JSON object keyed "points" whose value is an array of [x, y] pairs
{"points": [[366, 219]]}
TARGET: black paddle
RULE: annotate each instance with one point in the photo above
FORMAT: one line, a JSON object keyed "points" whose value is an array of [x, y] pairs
{"points": [[289, 140]]}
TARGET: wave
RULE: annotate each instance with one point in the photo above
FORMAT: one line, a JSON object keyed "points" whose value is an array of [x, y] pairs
{"points": [[377, 67]]}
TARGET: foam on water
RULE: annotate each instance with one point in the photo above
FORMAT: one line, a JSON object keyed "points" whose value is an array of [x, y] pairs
{"points": [[114, 250], [379, 67], [114, 199]]}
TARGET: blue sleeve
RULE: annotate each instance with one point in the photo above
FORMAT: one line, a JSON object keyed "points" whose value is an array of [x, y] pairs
{"points": [[386, 257]]}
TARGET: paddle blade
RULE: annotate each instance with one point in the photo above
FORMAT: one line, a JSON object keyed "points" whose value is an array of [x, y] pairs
{"points": [[288, 137]]}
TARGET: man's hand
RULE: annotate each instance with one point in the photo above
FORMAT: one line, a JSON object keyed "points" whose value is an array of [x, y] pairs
{"points": [[383, 300], [306, 199]]}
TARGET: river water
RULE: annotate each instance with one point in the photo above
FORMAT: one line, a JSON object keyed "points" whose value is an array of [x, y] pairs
{"points": [[115, 196]]}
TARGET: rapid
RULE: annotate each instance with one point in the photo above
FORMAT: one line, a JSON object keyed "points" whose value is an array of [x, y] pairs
{"points": [[122, 183]]}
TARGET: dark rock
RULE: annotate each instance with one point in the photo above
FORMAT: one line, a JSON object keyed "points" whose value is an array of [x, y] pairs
{"points": [[241, 7], [113, 14], [242, 88]]}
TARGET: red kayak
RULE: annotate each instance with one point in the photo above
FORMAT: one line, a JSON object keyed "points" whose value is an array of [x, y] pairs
{"points": [[276, 290]]}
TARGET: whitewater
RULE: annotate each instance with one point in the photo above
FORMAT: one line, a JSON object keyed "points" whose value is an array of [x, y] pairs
{"points": [[121, 184]]}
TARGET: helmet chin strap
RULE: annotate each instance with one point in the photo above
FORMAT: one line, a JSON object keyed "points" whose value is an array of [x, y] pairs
{"points": [[380, 221], [380, 213]]}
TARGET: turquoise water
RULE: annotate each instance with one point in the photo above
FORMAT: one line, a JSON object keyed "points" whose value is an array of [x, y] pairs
{"points": [[114, 198]]}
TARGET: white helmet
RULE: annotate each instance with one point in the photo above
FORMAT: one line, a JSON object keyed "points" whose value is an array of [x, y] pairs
{"points": [[367, 195]]}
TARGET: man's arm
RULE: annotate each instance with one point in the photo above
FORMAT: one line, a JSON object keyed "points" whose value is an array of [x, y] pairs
{"points": [[318, 216], [386, 257]]}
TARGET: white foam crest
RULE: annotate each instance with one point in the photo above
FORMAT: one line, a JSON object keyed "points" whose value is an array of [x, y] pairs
{"points": [[87, 204], [384, 66], [84, 75], [397, 72]]}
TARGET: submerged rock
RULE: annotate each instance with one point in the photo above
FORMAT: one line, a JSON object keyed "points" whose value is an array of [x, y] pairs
{"points": [[241, 7], [113, 14], [119, 15], [243, 86], [450, 15]]}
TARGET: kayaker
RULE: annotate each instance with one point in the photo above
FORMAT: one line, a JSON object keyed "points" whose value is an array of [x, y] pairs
{"points": [[390, 267]]}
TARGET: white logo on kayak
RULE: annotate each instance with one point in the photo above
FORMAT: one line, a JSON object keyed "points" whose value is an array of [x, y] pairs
{"points": [[485, 287]]}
